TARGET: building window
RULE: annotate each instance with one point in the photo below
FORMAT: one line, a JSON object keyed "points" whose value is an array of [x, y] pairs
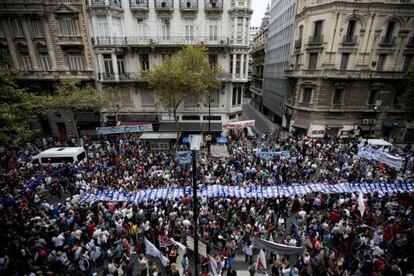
{"points": [[214, 99], [238, 57], [45, 62], [191, 102], [37, 28], [344, 61], [212, 59], [109, 70], [307, 95], [27, 64], [300, 32], [102, 26], [1, 31], [117, 26], [76, 62], [373, 96], [212, 118], [190, 118], [143, 30], [381, 62], [189, 32], [239, 96], [408, 61], [68, 26], [313, 61], [317, 32], [351, 28], [239, 29], [390, 30], [165, 29], [213, 31], [144, 59], [147, 98], [338, 96], [121, 67], [234, 96], [16, 27]]}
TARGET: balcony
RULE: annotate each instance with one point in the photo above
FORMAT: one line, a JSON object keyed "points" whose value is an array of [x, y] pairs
{"points": [[388, 41], [240, 4], [349, 40], [70, 40], [55, 75], [109, 40], [139, 7], [161, 41], [22, 6], [164, 6], [188, 6], [105, 3], [316, 40], [213, 6], [126, 77], [298, 43], [410, 43]]}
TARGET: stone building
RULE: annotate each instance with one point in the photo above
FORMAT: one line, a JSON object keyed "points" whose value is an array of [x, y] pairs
{"points": [[130, 36], [347, 67], [48, 40]]}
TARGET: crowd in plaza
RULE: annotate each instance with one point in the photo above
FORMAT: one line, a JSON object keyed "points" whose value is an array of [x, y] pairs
{"points": [[45, 230]]}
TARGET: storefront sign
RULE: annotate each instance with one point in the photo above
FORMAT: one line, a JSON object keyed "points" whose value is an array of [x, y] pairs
{"points": [[124, 129]]}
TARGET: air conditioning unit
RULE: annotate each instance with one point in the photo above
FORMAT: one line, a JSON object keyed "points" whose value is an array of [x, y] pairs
{"points": [[163, 4], [188, 4], [213, 3], [222, 42]]}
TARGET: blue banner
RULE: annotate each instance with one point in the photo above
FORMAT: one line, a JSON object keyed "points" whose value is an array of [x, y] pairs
{"points": [[217, 191]]}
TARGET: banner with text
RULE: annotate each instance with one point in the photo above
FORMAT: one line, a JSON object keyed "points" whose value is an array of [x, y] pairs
{"points": [[380, 156], [124, 129], [240, 124]]}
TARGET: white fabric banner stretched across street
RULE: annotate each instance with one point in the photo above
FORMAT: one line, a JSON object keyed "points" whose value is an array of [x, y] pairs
{"points": [[218, 191]]}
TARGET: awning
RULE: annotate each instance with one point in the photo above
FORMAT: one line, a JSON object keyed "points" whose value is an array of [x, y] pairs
{"points": [[133, 123], [366, 128], [393, 123], [159, 136], [300, 124], [168, 126], [222, 140]]}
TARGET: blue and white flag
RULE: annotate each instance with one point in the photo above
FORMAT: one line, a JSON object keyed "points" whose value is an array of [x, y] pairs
{"points": [[183, 157]]}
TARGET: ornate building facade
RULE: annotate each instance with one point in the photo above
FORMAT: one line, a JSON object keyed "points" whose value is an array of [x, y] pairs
{"points": [[130, 36], [347, 67], [48, 40]]}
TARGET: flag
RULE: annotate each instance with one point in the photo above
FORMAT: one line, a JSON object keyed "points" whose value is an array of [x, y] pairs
{"points": [[261, 268], [165, 241], [151, 250], [214, 265], [179, 244], [183, 157], [361, 205]]}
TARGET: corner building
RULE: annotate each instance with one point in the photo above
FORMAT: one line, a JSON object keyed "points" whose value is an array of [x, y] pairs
{"points": [[347, 64], [130, 36]]}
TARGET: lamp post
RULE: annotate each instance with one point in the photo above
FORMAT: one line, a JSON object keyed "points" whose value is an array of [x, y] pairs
{"points": [[195, 143], [371, 123]]}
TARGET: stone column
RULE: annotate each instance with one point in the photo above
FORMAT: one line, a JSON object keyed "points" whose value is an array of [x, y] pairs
{"points": [[234, 66], [115, 66], [10, 43], [30, 46], [101, 67], [241, 66], [49, 44]]}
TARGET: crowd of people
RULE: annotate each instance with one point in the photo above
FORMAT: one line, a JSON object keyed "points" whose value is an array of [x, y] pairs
{"points": [[47, 231]]}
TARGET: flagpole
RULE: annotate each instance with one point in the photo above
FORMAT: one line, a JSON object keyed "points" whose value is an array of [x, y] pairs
{"points": [[195, 211]]}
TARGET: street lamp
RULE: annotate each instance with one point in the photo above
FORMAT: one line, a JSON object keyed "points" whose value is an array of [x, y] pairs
{"points": [[195, 144]]}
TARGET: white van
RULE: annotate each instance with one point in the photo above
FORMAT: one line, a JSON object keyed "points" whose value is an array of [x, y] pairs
{"points": [[58, 156]]}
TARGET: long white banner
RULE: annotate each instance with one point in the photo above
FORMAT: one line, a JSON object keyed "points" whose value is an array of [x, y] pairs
{"points": [[240, 124], [380, 156], [124, 129], [218, 191]]}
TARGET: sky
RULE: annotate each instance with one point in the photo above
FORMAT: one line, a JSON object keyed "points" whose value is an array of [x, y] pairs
{"points": [[259, 8]]}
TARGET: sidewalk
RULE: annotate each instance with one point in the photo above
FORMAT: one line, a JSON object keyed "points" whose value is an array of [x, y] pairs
{"points": [[262, 124]]}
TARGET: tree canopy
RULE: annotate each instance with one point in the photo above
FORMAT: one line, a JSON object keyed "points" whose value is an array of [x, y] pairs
{"points": [[187, 74]]}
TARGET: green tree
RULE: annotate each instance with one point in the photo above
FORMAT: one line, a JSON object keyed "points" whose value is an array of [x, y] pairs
{"points": [[72, 95], [17, 108], [113, 100], [408, 97], [187, 74]]}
